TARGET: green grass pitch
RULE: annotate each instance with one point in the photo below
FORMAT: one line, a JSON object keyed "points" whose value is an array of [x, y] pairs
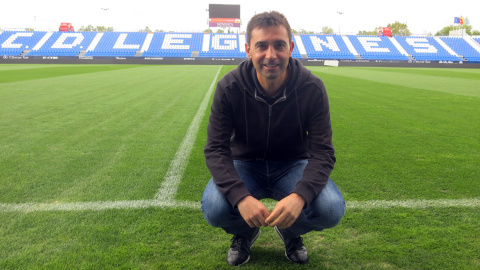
{"points": [[86, 149]]}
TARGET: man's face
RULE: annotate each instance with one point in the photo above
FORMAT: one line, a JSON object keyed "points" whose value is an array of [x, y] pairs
{"points": [[270, 50]]}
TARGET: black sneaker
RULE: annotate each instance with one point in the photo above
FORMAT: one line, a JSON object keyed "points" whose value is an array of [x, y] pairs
{"points": [[295, 251], [239, 252]]}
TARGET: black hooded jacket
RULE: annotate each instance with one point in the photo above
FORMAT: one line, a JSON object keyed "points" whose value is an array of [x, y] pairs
{"points": [[244, 126]]}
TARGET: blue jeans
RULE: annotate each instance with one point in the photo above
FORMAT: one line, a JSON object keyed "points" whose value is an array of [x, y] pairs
{"points": [[275, 180]]}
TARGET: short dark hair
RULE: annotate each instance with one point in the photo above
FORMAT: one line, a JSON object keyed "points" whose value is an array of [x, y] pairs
{"points": [[267, 19]]}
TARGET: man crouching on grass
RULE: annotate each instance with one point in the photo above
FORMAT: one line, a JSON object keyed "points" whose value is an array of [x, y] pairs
{"points": [[270, 136]]}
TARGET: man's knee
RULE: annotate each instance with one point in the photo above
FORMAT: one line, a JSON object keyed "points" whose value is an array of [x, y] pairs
{"points": [[329, 207], [215, 206], [213, 214], [335, 214]]}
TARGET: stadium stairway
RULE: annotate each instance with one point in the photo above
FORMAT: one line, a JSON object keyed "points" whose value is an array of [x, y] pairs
{"points": [[446, 47], [350, 47], [301, 47], [400, 48], [475, 53], [24, 53]]}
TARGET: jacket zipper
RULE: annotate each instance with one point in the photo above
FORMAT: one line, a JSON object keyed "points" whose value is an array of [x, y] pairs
{"points": [[268, 130], [269, 120]]}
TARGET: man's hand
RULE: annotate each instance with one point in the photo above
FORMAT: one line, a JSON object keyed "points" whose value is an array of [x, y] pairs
{"points": [[286, 211], [253, 211]]}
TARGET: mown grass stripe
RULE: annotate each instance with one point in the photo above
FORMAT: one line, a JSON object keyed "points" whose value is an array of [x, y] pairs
{"points": [[462, 84]]}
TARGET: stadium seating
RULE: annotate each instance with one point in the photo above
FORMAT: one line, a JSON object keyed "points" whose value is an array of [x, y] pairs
{"points": [[118, 44], [326, 47], [63, 44], [173, 45], [296, 51], [464, 49], [426, 49], [376, 48], [223, 45], [227, 45], [14, 43]]}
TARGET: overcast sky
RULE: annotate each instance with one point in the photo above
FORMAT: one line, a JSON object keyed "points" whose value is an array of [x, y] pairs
{"points": [[422, 17]]}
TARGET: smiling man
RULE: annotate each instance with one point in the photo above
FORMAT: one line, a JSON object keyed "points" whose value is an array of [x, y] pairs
{"points": [[269, 136]]}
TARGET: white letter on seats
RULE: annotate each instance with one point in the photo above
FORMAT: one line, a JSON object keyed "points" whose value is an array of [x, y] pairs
{"points": [[9, 42], [120, 44], [230, 42], [421, 45], [370, 44], [317, 43], [59, 44], [170, 41]]}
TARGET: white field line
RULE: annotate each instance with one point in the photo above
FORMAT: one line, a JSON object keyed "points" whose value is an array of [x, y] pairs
{"points": [[96, 206], [140, 204], [168, 190], [415, 203]]}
